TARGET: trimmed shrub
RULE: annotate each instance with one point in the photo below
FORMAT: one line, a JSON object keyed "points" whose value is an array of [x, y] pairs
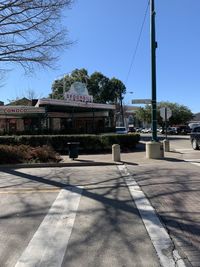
{"points": [[44, 154], [12, 154], [126, 141], [88, 143]]}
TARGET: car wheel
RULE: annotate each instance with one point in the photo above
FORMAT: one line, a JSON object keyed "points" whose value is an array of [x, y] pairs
{"points": [[195, 144]]}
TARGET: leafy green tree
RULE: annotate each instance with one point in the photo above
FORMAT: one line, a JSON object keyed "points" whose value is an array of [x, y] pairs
{"points": [[103, 89], [144, 114], [180, 113], [57, 89], [79, 75], [116, 90], [98, 86], [63, 84]]}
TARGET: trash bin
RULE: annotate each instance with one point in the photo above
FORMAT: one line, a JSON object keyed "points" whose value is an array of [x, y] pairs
{"points": [[73, 150]]}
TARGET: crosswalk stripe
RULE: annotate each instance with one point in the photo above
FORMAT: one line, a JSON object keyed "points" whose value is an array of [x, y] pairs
{"points": [[157, 233], [48, 245]]}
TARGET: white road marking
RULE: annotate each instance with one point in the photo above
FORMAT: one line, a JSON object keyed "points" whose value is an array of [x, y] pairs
{"points": [[183, 149], [193, 161], [48, 245], [169, 257]]}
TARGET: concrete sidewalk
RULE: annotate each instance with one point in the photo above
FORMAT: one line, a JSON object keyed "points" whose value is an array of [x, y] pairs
{"points": [[173, 189], [172, 185], [138, 156]]}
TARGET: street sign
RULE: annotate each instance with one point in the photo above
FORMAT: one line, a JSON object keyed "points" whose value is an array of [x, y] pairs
{"points": [[165, 113], [141, 101]]}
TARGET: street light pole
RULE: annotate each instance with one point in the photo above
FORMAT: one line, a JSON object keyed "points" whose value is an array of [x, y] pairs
{"points": [[153, 70], [121, 110], [153, 149]]}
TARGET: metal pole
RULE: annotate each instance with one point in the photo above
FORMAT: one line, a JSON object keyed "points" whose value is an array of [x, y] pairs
{"points": [[153, 71], [122, 111], [165, 123]]}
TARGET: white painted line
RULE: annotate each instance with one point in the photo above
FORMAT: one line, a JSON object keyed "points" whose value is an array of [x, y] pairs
{"points": [[193, 161], [48, 245], [157, 233], [183, 149]]}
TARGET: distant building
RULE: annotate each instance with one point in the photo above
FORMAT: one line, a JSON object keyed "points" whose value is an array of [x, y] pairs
{"points": [[130, 118], [77, 113]]}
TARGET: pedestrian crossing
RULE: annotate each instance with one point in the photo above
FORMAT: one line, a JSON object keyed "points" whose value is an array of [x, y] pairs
{"points": [[157, 232], [51, 240], [48, 245]]}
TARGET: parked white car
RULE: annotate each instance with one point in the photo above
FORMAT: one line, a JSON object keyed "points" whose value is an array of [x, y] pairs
{"points": [[146, 130]]}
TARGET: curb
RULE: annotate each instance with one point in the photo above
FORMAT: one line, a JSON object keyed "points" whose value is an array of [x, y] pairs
{"points": [[64, 164]]}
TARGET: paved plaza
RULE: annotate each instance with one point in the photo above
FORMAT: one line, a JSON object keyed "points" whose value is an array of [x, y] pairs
{"points": [[84, 213]]}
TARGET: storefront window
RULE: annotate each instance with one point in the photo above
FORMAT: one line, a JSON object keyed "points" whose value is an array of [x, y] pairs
{"points": [[32, 124], [2, 125], [12, 125]]}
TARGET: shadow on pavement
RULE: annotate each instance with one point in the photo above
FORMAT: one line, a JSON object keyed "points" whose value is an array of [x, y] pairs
{"points": [[173, 159], [129, 163], [107, 224], [174, 191], [82, 160], [168, 201]]}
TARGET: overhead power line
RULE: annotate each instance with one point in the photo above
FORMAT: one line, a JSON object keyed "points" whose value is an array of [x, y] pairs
{"points": [[138, 41]]}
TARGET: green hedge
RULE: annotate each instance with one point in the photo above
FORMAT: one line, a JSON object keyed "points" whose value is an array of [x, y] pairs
{"points": [[88, 143]]}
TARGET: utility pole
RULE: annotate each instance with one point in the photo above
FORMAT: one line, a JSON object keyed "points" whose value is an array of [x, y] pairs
{"points": [[154, 149], [153, 70], [121, 110]]}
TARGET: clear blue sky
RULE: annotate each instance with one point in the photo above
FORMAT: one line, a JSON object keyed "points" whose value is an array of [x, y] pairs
{"points": [[106, 34]]}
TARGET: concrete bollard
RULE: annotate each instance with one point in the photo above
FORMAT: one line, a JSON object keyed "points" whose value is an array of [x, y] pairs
{"points": [[116, 152], [166, 145], [154, 150]]}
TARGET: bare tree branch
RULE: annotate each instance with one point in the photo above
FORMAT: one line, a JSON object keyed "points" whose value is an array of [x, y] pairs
{"points": [[31, 32]]}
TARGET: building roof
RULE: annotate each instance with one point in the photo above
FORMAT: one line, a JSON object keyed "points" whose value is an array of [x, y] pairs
{"points": [[81, 106], [20, 102]]}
